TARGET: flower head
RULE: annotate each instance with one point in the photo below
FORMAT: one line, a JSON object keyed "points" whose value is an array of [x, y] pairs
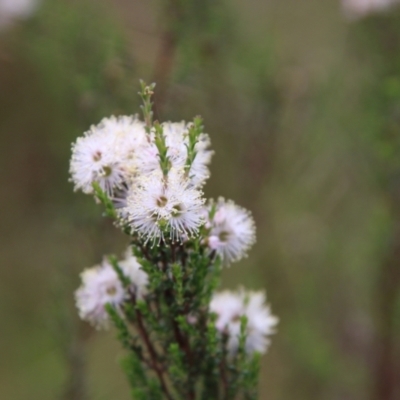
{"points": [[176, 140], [128, 137], [106, 154], [230, 307], [176, 134], [100, 286], [232, 230], [157, 204]]}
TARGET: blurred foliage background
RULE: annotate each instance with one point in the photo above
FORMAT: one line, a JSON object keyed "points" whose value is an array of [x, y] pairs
{"points": [[303, 108]]}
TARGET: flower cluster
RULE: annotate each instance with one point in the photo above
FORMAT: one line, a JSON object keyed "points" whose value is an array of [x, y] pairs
{"points": [[230, 307], [119, 150], [355, 9], [125, 159], [161, 296]]}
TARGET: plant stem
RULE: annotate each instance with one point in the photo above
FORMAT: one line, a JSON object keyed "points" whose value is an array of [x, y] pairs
{"points": [[153, 355]]}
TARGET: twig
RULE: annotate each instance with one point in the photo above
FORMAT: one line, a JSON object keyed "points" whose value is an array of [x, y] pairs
{"points": [[153, 355], [224, 378]]}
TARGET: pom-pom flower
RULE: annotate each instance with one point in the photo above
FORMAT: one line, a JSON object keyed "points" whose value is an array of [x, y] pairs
{"points": [[176, 136], [157, 204], [231, 306], [231, 230], [101, 285], [106, 155], [128, 137]]}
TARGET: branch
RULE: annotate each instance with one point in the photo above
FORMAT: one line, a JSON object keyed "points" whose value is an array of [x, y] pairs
{"points": [[153, 355]]}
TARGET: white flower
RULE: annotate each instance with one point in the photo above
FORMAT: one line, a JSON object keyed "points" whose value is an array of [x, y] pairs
{"points": [[355, 9], [231, 306], [199, 171], [176, 140], [128, 135], [133, 270], [148, 159], [157, 204], [231, 230], [100, 286], [93, 160], [228, 306], [106, 154], [11, 10], [176, 134]]}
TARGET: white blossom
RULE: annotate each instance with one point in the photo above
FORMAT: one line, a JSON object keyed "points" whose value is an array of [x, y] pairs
{"points": [[176, 134], [355, 9], [118, 153], [100, 286], [11, 10], [176, 140], [157, 204], [231, 306], [92, 161], [106, 155], [129, 137], [231, 230]]}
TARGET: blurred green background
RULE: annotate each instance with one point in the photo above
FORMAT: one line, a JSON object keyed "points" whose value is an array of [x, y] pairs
{"points": [[303, 109]]}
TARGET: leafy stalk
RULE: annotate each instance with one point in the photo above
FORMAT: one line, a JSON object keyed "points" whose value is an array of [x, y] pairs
{"points": [[146, 93]]}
